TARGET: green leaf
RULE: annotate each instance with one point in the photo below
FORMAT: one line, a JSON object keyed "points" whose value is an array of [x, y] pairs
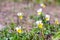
{"points": [[56, 36]]}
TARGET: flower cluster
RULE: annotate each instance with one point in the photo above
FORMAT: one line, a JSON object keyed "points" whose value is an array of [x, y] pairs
{"points": [[39, 11], [42, 5], [18, 29], [47, 17], [20, 15], [39, 24], [56, 21]]}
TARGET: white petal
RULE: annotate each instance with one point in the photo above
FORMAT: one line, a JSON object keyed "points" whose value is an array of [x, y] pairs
{"points": [[19, 14], [16, 28], [19, 27], [37, 22], [47, 16], [41, 4], [40, 10], [40, 21]]}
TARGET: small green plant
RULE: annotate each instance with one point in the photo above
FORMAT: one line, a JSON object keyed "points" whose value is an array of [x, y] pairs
{"points": [[42, 29]]}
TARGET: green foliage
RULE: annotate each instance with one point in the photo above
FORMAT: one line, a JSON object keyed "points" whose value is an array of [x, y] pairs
{"points": [[37, 1], [34, 34], [58, 2], [56, 36]]}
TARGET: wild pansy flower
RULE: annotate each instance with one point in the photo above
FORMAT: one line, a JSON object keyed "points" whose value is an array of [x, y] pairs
{"points": [[18, 29], [39, 24], [47, 17], [56, 21], [42, 5], [39, 11], [20, 15]]}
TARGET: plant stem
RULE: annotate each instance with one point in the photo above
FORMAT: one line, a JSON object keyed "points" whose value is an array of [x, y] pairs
{"points": [[43, 34]]}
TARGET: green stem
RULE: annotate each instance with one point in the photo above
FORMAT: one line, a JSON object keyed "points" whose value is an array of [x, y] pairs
{"points": [[43, 34]]}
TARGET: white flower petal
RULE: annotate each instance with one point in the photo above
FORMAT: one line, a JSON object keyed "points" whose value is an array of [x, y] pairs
{"points": [[40, 10], [16, 28], [40, 21], [37, 22], [19, 14], [41, 4], [47, 16], [19, 27]]}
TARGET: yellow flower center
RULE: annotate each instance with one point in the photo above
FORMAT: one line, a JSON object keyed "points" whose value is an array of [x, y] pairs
{"points": [[39, 13], [21, 17], [56, 22], [47, 19], [40, 25], [19, 31]]}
